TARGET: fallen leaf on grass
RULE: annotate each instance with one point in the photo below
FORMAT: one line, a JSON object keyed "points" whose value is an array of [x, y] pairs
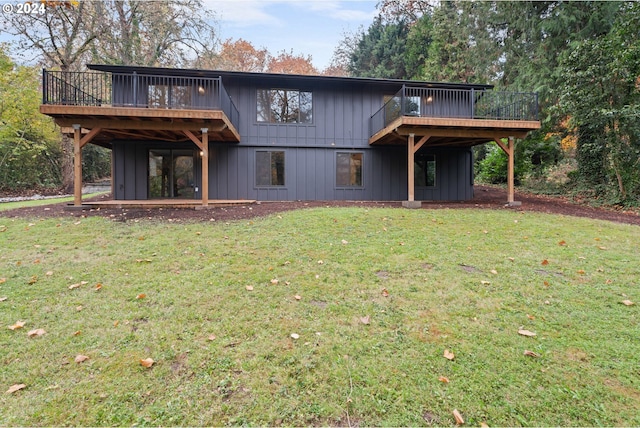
{"points": [[249, 287], [211, 337], [562, 243], [36, 333], [81, 358], [531, 354], [345, 242], [3, 280], [627, 303], [141, 296], [531, 317], [493, 271], [385, 292], [49, 273], [297, 297], [527, 333], [17, 325], [295, 336], [275, 281], [147, 362], [602, 248], [77, 333], [2, 299], [448, 355], [144, 260], [16, 387], [485, 282], [320, 262], [77, 285], [365, 320], [443, 379], [581, 272], [545, 262], [98, 287], [458, 417]]}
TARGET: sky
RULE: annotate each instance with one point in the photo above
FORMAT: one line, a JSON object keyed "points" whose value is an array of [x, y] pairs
{"points": [[308, 27]]}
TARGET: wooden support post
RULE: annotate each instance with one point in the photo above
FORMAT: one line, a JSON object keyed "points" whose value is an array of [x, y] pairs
{"points": [[510, 172], [411, 167], [77, 167], [205, 167], [509, 149]]}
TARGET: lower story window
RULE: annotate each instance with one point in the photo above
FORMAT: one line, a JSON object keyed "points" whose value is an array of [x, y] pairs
{"points": [[349, 169], [425, 170], [269, 168]]}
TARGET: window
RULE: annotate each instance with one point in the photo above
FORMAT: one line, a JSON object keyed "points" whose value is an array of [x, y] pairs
{"points": [[269, 168], [425, 170], [349, 169], [284, 106], [169, 96]]}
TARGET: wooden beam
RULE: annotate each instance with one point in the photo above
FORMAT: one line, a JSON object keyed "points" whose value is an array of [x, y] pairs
{"points": [[411, 167], [194, 139], [461, 133], [135, 112], [77, 166], [505, 148], [90, 136], [205, 167], [130, 124], [420, 143]]}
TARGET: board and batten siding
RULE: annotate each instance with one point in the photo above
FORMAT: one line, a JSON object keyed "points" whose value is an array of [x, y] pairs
{"points": [[310, 173], [341, 115]]}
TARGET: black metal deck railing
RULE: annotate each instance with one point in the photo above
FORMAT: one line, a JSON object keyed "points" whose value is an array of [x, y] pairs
{"points": [[138, 91], [455, 103]]}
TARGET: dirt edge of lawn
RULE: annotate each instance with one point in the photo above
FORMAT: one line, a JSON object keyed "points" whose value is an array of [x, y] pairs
{"points": [[485, 197]]}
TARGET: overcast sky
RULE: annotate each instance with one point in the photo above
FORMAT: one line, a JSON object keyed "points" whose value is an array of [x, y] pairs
{"points": [[309, 27]]}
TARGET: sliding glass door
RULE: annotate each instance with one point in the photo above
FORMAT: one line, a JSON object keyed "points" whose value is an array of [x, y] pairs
{"points": [[171, 174]]}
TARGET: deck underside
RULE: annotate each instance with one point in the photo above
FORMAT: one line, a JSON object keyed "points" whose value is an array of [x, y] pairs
{"points": [[117, 123], [451, 132]]}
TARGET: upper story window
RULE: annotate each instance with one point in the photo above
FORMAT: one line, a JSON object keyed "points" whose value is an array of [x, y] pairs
{"points": [[169, 96], [284, 106]]}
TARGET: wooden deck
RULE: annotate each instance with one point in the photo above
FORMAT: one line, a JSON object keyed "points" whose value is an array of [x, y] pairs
{"points": [[164, 203], [154, 124], [452, 131]]}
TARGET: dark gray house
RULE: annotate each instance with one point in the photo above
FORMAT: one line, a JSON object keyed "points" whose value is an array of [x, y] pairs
{"points": [[204, 136]]}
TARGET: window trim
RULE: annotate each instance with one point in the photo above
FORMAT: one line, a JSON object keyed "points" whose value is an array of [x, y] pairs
{"points": [[360, 186], [284, 169]]}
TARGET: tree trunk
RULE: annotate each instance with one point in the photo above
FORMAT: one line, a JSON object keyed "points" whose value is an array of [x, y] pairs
{"points": [[66, 144]]}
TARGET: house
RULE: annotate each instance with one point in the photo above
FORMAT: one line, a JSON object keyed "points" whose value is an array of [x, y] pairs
{"points": [[201, 135]]}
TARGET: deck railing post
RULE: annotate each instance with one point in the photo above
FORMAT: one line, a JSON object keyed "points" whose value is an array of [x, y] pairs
{"points": [[473, 104], [135, 89], [44, 86], [402, 106]]}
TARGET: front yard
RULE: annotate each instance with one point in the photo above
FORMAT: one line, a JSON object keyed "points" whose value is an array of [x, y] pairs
{"points": [[326, 316]]}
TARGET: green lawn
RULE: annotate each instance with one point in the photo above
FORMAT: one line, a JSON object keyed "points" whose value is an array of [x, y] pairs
{"points": [[4, 206], [382, 294]]}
